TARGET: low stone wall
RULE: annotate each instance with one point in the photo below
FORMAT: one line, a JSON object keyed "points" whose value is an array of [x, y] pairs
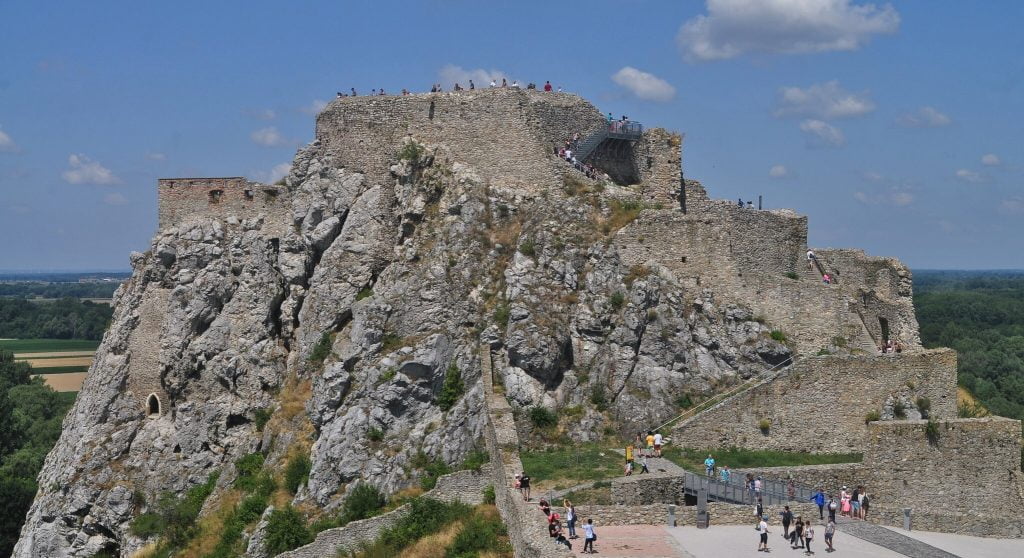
{"points": [[648, 489], [830, 478], [604, 515], [657, 514], [464, 486], [743, 514], [998, 524]]}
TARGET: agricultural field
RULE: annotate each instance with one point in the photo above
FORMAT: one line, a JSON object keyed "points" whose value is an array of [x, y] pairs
{"points": [[62, 363]]}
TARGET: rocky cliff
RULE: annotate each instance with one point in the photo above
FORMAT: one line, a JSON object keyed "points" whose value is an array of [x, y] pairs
{"points": [[413, 229]]}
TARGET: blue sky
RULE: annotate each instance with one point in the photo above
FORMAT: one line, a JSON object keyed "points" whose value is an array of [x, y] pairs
{"points": [[896, 127]]}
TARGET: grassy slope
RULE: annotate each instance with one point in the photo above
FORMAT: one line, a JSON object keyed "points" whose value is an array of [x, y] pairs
{"points": [[48, 345], [735, 458]]}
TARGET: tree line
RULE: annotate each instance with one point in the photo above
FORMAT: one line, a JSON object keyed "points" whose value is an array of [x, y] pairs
{"points": [[65, 318], [981, 315]]}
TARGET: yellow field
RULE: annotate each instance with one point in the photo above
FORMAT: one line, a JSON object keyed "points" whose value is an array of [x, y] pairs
{"points": [[43, 363], [71, 381], [53, 354]]}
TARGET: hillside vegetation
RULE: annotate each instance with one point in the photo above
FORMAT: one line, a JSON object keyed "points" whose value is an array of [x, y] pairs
{"points": [[981, 315], [65, 318]]}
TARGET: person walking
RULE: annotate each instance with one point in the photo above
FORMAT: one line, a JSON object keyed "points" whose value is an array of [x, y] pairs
{"points": [[810, 259], [864, 504], [589, 536], [832, 506], [819, 499], [808, 537], [709, 465], [855, 503], [797, 533], [643, 465], [758, 512], [725, 473], [524, 484], [787, 519], [658, 439], [830, 531], [650, 444], [570, 518], [762, 529]]}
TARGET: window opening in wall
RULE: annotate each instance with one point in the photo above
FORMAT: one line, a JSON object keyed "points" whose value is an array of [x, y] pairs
{"points": [[884, 324], [270, 194], [153, 405], [215, 195], [248, 195]]}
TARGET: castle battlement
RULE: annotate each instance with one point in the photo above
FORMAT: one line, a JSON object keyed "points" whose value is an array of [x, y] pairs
{"points": [[181, 198]]}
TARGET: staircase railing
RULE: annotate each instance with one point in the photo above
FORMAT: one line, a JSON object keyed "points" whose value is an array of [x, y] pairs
{"points": [[629, 131], [711, 402]]}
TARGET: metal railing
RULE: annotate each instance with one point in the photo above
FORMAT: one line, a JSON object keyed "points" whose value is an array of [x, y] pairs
{"points": [[625, 130], [736, 491]]}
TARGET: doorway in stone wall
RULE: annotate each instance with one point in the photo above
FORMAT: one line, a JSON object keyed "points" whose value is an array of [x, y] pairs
{"points": [[153, 405], [884, 324]]}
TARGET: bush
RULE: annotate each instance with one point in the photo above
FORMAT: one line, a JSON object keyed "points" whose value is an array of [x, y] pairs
{"points": [[542, 418], [792, 275], [764, 425], [296, 472], [261, 417], [322, 349], [363, 502], [248, 468], [286, 530], [778, 335], [528, 248], [684, 401], [617, 300], [479, 534], [374, 434], [931, 431], [411, 152], [598, 398], [872, 416], [433, 468], [924, 405], [501, 313], [175, 518], [365, 292], [474, 460], [489, 494], [899, 410], [452, 389], [147, 525], [426, 517]]}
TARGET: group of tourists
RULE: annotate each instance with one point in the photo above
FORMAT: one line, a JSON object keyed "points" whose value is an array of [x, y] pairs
{"points": [[812, 262], [439, 88], [890, 347], [801, 535], [562, 536]]}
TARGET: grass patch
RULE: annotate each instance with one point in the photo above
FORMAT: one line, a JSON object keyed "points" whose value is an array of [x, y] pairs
{"points": [[428, 516], [296, 472], [58, 369], [638, 271], [432, 469], [261, 417], [174, 519], [778, 335], [528, 248], [452, 389], [791, 275], [616, 301], [322, 349], [567, 465], [596, 495], [736, 458], [48, 345], [872, 416], [542, 417], [501, 312], [365, 292], [286, 530]]}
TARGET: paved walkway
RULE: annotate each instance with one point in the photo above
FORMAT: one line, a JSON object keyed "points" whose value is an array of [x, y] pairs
{"points": [[891, 540], [968, 546]]}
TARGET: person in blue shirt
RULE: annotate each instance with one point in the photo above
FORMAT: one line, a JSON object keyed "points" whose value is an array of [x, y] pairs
{"points": [[709, 465], [819, 499], [725, 473]]}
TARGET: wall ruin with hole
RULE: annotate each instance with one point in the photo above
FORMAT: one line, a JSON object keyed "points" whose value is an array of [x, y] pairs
{"points": [[820, 403], [219, 198], [144, 368]]}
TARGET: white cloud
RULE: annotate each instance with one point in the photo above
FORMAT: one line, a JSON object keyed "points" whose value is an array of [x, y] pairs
{"points": [[314, 107], [991, 160], [968, 175], [114, 198], [644, 85], [822, 134], [273, 175], [894, 196], [735, 27], [154, 156], [1012, 206], [822, 100], [268, 137], [451, 74], [924, 117], [263, 114], [6, 143], [86, 171], [778, 171], [872, 176]]}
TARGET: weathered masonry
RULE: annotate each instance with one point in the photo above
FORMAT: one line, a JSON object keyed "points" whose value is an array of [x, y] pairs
{"points": [[183, 198]]}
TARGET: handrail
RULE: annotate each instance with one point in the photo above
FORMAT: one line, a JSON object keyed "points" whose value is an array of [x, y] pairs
{"points": [[708, 403]]}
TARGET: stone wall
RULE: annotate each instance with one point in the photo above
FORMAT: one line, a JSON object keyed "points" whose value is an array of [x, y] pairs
{"points": [[967, 481], [830, 478], [648, 489], [144, 368], [219, 198], [820, 403], [658, 157], [463, 486]]}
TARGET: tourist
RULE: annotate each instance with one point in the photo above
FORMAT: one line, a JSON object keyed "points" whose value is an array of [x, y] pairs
{"points": [[545, 507], [739, 202], [758, 511], [353, 89], [832, 505], [382, 91], [515, 84], [855, 503], [749, 483], [547, 86], [524, 483], [494, 83], [797, 534], [826, 278], [609, 120], [643, 465], [570, 518], [830, 531], [589, 536], [810, 259], [819, 500], [457, 86], [433, 88], [658, 439], [629, 453], [762, 528], [808, 537], [504, 83], [639, 442], [725, 474], [650, 443], [750, 204], [864, 503], [472, 85], [709, 465], [629, 468], [758, 483], [787, 518], [844, 502], [559, 88], [340, 94], [518, 484]]}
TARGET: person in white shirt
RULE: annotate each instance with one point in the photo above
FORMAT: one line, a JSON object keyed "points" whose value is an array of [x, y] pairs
{"points": [[658, 439], [589, 536], [494, 83], [762, 528]]}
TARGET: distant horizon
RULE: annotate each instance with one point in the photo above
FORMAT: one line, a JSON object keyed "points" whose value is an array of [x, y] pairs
{"points": [[30, 272]]}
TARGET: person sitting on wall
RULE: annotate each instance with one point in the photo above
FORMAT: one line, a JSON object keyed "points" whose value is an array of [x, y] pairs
{"points": [[515, 84], [472, 85], [382, 91], [739, 202], [494, 83], [340, 94], [547, 86], [826, 278], [750, 204], [458, 87], [353, 89], [504, 83]]}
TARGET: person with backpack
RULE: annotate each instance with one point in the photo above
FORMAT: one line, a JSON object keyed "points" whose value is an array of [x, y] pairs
{"points": [[762, 528], [589, 536], [832, 507], [797, 533], [864, 503], [570, 518], [758, 512], [787, 519]]}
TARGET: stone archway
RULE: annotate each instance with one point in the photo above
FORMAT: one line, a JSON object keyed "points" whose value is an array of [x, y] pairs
{"points": [[153, 405]]}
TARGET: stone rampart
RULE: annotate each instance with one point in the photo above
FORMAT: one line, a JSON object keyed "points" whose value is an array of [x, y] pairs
{"points": [[144, 368], [219, 198], [820, 403], [462, 486], [830, 478], [648, 489]]}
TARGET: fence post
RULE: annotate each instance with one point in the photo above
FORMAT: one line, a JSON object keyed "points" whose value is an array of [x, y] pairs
{"points": [[702, 509], [671, 515], [906, 518]]}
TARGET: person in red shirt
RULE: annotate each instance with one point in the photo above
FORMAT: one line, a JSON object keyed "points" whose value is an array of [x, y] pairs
{"points": [[547, 86]]}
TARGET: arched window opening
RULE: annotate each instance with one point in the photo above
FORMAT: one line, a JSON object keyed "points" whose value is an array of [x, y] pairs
{"points": [[153, 405]]}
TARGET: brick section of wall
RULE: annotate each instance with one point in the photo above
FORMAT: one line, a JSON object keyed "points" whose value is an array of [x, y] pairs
{"points": [[659, 158], [464, 486], [219, 198], [144, 368], [820, 403], [648, 489]]}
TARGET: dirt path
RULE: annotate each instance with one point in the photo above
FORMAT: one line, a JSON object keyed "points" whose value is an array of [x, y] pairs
{"points": [[53, 354]]}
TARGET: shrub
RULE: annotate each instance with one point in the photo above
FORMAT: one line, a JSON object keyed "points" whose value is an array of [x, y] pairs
{"points": [[322, 349], [501, 313], [179, 515], [390, 341], [286, 530], [296, 472], [365, 292], [479, 534], [387, 375], [426, 517], [411, 152], [778, 335], [931, 431], [764, 425], [543, 418], [452, 389], [924, 405], [374, 434], [147, 525], [489, 494], [474, 460], [872, 416], [598, 397], [899, 409], [364, 501], [433, 468], [684, 401], [261, 417], [792, 275], [617, 300], [248, 468], [528, 248]]}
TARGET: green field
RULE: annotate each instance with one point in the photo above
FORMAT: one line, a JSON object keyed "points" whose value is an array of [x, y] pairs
{"points": [[48, 345], [567, 466]]}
